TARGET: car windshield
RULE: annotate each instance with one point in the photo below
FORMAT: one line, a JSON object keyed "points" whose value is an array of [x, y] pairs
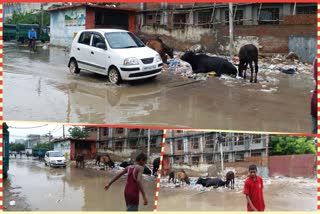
{"points": [[119, 40], [55, 154]]}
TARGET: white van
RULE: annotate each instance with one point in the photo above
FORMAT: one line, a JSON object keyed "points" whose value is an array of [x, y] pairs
{"points": [[119, 54]]}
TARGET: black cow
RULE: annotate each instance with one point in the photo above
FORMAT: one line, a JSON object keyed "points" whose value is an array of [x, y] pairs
{"points": [[79, 160], [208, 182], [147, 171], [247, 55], [124, 164], [202, 63], [156, 165], [230, 178]]}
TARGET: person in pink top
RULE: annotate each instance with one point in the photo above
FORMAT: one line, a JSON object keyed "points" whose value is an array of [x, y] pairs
{"points": [[134, 183]]}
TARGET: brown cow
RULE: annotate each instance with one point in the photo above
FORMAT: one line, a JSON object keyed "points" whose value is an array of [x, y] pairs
{"points": [[106, 160], [161, 48], [180, 175]]}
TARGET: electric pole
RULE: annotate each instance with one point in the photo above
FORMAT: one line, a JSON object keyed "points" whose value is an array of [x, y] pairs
{"points": [[231, 29]]}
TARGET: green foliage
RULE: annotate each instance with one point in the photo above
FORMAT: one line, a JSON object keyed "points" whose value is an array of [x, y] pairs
{"points": [[17, 147], [290, 145], [45, 146], [29, 18], [78, 133]]}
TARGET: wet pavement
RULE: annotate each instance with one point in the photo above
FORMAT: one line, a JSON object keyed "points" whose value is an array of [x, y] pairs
{"points": [[280, 194], [39, 87], [33, 186]]}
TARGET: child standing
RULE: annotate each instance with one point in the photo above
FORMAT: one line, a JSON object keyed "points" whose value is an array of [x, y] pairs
{"points": [[253, 189], [134, 183]]}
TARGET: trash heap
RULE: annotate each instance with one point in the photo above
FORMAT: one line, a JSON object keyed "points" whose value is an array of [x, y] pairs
{"points": [[270, 65]]}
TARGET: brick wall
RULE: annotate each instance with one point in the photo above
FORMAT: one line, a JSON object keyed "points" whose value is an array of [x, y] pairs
{"points": [[303, 19], [293, 165]]}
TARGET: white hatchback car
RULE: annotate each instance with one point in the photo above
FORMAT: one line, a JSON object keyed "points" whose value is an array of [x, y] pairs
{"points": [[119, 54], [54, 158]]}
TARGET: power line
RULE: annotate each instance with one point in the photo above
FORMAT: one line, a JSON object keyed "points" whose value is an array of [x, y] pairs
{"points": [[34, 127]]}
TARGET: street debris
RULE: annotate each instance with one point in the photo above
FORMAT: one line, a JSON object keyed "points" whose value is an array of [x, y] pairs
{"points": [[12, 203]]}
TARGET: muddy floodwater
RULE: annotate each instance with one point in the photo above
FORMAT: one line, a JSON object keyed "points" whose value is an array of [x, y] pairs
{"points": [[280, 194], [33, 186], [39, 87]]}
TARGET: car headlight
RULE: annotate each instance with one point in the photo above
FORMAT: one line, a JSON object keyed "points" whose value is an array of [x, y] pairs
{"points": [[158, 58], [131, 61]]}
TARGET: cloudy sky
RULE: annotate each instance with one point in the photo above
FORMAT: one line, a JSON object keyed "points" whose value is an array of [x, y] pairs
{"points": [[21, 130]]}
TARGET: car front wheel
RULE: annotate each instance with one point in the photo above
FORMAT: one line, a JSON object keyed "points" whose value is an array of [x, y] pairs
{"points": [[73, 67], [114, 76]]}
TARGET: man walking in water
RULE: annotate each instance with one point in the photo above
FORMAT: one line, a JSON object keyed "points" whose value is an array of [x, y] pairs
{"points": [[134, 183]]}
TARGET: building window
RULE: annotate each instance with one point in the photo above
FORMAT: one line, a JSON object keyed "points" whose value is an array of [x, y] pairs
{"points": [[209, 159], [239, 140], [158, 19], [238, 17], [225, 157], [180, 144], [105, 131], [119, 145], [256, 154], [133, 143], [150, 17], [153, 142], [195, 160], [204, 18], [120, 131], [209, 141], [269, 16], [179, 131], [239, 157], [179, 20], [195, 143], [256, 139], [307, 10]]}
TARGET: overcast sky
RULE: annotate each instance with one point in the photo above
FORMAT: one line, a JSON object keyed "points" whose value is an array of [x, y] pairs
{"points": [[21, 130]]}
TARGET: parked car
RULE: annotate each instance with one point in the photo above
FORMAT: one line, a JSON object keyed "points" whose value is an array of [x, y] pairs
{"points": [[118, 54], [54, 159]]}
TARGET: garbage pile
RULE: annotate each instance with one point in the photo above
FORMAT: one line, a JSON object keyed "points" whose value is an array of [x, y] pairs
{"points": [[274, 65]]}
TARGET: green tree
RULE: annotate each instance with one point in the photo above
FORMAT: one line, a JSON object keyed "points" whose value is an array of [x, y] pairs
{"points": [[78, 132], [17, 147], [45, 146], [29, 18], [291, 145]]}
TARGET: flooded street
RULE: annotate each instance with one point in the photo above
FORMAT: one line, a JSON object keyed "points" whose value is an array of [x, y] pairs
{"points": [[35, 187], [39, 87], [280, 194]]}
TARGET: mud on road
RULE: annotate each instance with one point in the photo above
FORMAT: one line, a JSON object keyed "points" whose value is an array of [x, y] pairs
{"points": [[39, 87], [280, 194], [35, 187]]}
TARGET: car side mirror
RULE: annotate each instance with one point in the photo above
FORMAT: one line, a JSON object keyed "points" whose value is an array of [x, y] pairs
{"points": [[101, 45]]}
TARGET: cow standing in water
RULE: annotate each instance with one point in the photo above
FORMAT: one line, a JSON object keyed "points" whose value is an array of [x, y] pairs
{"points": [[107, 161], [161, 48], [79, 160], [247, 55], [230, 179], [181, 176]]}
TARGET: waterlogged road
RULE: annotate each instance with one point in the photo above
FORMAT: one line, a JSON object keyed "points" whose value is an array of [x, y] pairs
{"points": [[35, 187], [38, 87]]}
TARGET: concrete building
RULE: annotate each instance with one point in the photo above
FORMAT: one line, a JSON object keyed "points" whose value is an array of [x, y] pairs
{"points": [[201, 150], [66, 21], [126, 142], [273, 27]]}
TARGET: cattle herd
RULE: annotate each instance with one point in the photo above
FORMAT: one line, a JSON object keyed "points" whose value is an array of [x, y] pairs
{"points": [[181, 177], [106, 160], [202, 63]]}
